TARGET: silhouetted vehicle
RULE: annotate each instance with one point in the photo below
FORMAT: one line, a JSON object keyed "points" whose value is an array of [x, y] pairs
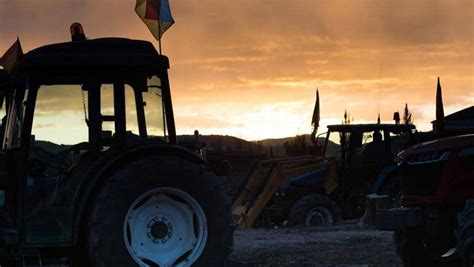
{"points": [[126, 196], [437, 178], [321, 190]]}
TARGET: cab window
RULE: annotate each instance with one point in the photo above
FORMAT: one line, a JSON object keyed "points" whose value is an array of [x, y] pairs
{"points": [[60, 117]]}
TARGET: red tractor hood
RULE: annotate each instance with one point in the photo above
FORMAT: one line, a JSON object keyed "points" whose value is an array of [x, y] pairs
{"points": [[442, 144]]}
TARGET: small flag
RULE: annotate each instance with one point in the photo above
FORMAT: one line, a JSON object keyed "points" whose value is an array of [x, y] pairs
{"points": [[315, 119], [156, 14], [11, 57]]}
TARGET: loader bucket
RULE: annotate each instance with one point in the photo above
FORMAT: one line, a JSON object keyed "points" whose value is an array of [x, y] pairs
{"points": [[261, 183]]}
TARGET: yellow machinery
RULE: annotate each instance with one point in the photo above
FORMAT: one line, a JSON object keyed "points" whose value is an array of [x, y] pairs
{"points": [[264, 178], [315, 190]]}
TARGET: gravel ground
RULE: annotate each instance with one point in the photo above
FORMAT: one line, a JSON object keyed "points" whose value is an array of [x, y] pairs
{"points": [[346, 244]]}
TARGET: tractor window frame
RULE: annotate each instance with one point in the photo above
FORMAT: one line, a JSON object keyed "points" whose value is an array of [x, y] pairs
{"points": [[147, 96], [68, 95], [14, 126], [140, 110], [137, 79]]}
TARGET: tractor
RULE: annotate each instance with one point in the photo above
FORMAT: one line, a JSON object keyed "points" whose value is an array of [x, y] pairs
{"points": [[434, 223], [321, 190], [125, 193]]}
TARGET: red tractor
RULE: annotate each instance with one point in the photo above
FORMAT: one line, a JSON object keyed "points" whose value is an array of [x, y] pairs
{"points": [[435, 224]]}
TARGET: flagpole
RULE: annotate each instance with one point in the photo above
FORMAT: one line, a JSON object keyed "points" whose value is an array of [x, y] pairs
{"points": [[159, 34]]}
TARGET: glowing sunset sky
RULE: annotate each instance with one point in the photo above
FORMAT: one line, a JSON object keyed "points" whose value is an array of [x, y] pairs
{"points": [[250, 68]]}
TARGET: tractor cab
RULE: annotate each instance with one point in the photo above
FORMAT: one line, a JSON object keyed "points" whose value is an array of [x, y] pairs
{"points": [[80, 115], [368, 143], [366, 156], [118, 86], [76, 103]]}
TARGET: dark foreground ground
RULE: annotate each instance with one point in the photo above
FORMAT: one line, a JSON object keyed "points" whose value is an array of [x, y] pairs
{"points": [[347, 244]]}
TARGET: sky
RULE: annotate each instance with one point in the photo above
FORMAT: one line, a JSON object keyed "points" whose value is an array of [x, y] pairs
{"points": [[250, 68]]}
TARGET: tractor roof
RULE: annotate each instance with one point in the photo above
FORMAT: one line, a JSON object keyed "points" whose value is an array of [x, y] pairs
{"points": [[395, 128], [95, 54]]}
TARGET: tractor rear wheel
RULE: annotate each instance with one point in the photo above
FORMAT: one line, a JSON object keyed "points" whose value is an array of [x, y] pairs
{"points": [[411, 249], [314, 210], [415, 248], [161, 211]]}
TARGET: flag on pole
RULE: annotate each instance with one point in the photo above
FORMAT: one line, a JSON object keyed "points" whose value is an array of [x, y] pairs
{"points": [[156, 14], [315, 119], [11, 57]]}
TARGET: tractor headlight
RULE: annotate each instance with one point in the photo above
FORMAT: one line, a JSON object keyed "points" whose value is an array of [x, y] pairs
{"points": [[428, 157], [465, 152]]}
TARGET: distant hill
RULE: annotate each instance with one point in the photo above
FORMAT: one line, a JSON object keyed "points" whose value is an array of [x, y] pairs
{"points": [[51, 147], [278, 143], [231, 143], [225, 143]]}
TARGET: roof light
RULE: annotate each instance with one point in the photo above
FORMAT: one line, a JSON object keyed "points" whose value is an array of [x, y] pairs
{"points": [[77, 32]]}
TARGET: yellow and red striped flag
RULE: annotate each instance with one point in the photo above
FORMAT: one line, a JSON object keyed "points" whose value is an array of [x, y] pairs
{"points": [[11, 57], [156, 14]]}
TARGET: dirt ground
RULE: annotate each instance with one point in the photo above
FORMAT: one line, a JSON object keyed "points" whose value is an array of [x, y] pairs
{"points": [[346, 244]]}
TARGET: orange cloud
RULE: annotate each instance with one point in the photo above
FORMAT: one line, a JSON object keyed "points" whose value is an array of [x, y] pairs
{"points": [[233, 60]]}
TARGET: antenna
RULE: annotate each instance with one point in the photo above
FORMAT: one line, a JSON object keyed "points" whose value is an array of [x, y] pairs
{"points": [[380, 92]]}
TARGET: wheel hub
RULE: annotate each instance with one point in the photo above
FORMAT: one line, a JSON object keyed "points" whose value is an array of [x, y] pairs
{"points": [[316, 219], [165, 226], [159, 229], [319, 216]]}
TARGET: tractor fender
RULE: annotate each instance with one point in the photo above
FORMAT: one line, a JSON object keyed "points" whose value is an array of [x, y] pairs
{"points": [[324, 177], [97, 174]]}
